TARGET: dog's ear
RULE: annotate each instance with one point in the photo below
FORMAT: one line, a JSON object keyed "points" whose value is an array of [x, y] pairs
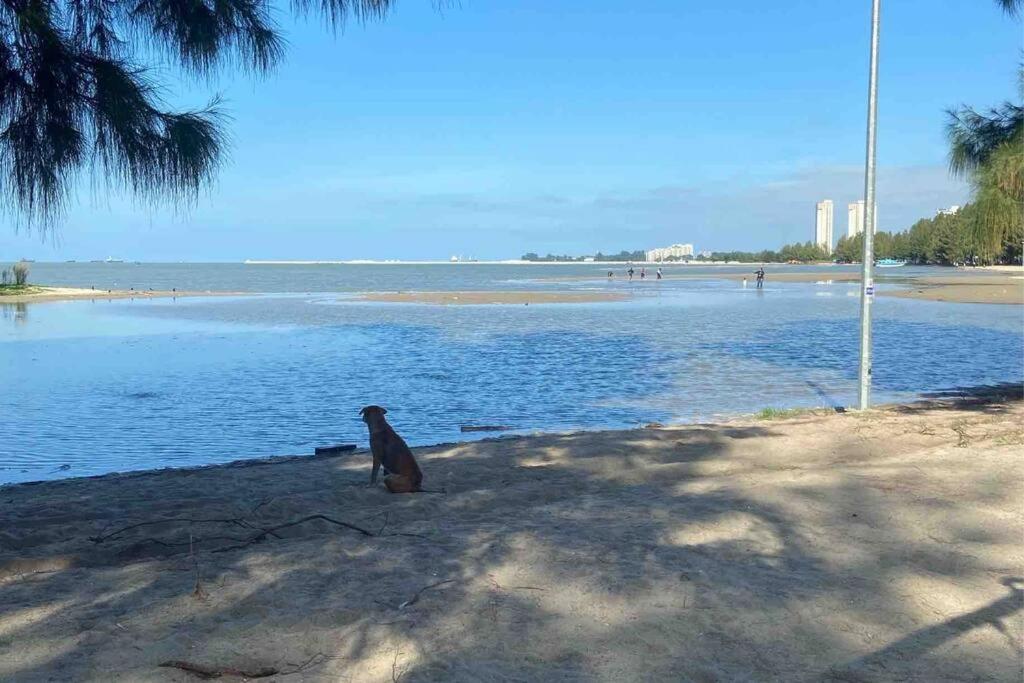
{"points": [[383, 410]]}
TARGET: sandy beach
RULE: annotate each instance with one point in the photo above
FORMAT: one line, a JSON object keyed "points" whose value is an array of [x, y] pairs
{"points": [[996, 285], [480, 298], [40, 294], [851, 547]]}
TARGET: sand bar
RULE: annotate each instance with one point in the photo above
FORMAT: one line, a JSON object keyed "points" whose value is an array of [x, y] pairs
{"points": [[978, 286], [855, 547], [477, 298], [1009, 293], [39, 294]]}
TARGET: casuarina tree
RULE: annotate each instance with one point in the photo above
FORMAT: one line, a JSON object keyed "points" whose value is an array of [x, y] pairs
{"points": [[79, 94]]}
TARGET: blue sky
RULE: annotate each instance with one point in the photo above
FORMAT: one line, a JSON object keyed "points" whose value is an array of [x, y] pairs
{"points": [[492, 129]]}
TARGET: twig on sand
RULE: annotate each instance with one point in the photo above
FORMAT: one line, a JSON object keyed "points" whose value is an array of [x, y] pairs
{"points": [[415, 598], [100, 538], [264, 532], [964, 439], [396, 675], [260, 504], [240, 543], [518, 588], [210, 672], [198, 593], [316, 660]]}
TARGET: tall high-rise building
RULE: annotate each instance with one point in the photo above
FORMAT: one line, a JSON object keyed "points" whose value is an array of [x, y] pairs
{"points": [[823, 225], [855, 216]]}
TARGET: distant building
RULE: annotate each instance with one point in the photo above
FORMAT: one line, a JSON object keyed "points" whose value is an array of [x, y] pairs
{"points": [[705, 253], [951, 211], [673, 252], [823, 225], [855, 217]]}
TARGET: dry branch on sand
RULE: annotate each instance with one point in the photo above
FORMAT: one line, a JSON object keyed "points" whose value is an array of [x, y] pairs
{"points": [[240, 543], [210, 672], [414, 599]]}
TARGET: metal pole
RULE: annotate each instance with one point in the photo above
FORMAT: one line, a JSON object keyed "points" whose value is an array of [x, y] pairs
{"points": [[867, 288]]}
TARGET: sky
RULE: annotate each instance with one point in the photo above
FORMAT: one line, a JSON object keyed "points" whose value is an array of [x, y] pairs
{"points": [[490, 129]]}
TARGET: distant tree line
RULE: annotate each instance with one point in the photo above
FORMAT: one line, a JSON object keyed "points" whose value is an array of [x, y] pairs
{"points": [[808, 252], [963, 238], [623, 255]]}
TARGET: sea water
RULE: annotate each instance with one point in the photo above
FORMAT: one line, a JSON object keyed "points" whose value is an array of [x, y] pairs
{"points": [[91, 387]]}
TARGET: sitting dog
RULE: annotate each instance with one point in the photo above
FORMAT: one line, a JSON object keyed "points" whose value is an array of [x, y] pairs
{"points": [[401, 473]]}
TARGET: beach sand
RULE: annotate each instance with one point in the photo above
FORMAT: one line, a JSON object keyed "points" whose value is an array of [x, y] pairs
{"points": [[982, 286], [477, 298], [39, 294], [1010, 292], [856, 547]]}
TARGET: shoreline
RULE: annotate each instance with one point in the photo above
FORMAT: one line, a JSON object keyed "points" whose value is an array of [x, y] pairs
{"points": [[45, 294], [968, 396], [580, 556]]}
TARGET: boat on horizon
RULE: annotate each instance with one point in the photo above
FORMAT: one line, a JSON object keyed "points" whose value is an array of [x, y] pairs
{"points": [[889, 263]]}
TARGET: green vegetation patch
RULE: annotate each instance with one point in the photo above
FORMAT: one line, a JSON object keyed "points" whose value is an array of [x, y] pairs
{"points": [[12, 290], [782, 413]]}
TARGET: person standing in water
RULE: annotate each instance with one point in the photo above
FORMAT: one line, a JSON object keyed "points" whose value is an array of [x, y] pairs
{"points": [[643, 273], [630, 273], [760, 277], [659, 273]]}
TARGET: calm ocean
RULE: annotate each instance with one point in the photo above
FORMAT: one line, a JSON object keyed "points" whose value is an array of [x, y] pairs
{"points": [[95, 387]]}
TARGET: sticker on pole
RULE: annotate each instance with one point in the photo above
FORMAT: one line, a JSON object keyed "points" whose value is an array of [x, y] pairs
{"points": [[870, 290]]}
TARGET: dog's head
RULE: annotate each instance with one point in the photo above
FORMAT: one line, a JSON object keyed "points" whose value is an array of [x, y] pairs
{"points": [[371, 414]]}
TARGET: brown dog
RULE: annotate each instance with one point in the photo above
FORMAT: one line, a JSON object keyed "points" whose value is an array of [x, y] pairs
{"points": [[401, 473]]}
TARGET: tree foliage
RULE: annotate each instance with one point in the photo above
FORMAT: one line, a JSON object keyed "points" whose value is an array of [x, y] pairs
{"points": [[78, 91], [988, 149], [946, 239]]}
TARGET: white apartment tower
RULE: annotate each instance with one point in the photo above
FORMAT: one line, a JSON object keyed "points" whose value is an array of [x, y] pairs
{"points": [[856, 217], [823, 225], [676, 251]]}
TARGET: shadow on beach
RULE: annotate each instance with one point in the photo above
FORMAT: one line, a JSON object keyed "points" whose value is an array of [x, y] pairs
{"points": [[859, 547]]}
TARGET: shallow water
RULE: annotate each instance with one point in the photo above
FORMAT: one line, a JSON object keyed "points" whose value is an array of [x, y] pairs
{"points": [[94, 387]]}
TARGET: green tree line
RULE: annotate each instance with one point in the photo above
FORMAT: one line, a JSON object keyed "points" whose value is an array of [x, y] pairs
{"points": [[962, 238], [638, 255], [807, 252]]}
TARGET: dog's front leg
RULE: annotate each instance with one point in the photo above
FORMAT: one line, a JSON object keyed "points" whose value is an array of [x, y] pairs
{"points": [[375, 470]]}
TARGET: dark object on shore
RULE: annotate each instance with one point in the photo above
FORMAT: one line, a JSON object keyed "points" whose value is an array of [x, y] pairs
{"points": [[328, 451], [389, 450], [484, 428], [209, 672]]}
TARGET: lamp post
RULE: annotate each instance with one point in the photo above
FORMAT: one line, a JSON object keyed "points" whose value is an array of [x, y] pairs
{"points": [[867, 286]]}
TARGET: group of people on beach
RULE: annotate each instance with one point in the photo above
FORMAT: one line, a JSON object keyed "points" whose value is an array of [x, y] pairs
{"points": [[631, 272], [759, 274]]}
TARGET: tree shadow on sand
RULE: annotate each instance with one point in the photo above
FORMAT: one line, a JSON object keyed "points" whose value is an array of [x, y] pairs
{"points": [[734, 552]]}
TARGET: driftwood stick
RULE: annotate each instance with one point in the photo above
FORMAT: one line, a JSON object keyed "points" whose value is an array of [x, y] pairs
{"points": [[269, 531], [100, 538], [415, 598], [316, 660], [210, 672]]}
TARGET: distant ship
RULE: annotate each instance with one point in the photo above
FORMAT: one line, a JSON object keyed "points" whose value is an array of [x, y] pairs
{"points": [[889, 263]]}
